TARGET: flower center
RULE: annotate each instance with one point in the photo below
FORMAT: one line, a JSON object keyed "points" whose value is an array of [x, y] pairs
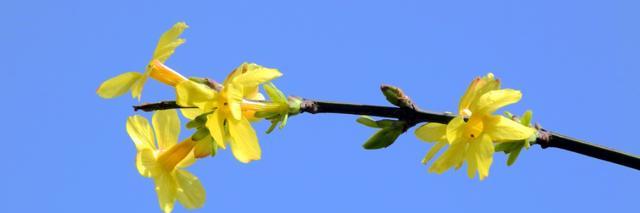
{"points": [[474, 127]]}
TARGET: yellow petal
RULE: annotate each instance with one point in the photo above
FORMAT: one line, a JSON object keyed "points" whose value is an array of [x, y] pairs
{"points": [[479, 156], [191, 193], [477, 88], [234, 94], [169, 41], [166, 188], [136, 89], [118, 85], [166, 124], [432, 132], [432, 152], [140, 132], [215, 124], [450, 158], [258, 76], [495, 99], [502, 129], [146, 163], [189, 93], [191, 113], [455, 130], [244, 142]]}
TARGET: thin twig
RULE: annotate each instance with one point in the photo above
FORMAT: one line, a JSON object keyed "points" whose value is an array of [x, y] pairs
{"points": [[545, 138]]}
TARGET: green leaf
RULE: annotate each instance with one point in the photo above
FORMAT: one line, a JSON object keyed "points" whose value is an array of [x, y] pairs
{"points": [[274, 124], [367, 121], [283, 123], [274, 93], [514, 154], [201, 133], [526, 118], [506, 147], [383, 138], [385, 123], [198, 122]]}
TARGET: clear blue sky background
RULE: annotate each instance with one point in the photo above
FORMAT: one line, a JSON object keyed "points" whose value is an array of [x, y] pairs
{"points": [[66, 150]]}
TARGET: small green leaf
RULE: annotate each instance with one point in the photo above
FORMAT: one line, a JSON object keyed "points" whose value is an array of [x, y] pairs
{"points": [[385, 123], [526, 118], [201, 133], [274, 93], [197, 122], [514, 154], [283, 123], [506, 147], [382, 139], [508, 114], [367, 121], [273, 126]]}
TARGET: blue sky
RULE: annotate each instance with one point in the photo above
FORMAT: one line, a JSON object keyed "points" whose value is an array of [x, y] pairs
{"points": [[66, 150]]}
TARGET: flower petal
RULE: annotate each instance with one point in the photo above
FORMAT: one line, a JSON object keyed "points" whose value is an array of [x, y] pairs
{"points": [[432, 152], [493, 100], [234, 93], [452, 157], [479, 156], [166, 124], [244, 142], [432, 132], [191, 113], [191, 193], [146, 163], [257, 75], [140, 132], [502, 129], [136, 89], [118, 85], [215, 124], [189, 93], [169, 41], [166, 188], [455, 130]]}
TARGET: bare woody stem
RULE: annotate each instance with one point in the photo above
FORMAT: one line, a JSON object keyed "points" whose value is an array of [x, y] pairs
{"points": [[413, 116]]}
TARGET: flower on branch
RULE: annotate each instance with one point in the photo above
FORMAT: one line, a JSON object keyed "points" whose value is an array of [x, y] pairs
{"points": [[472, 133]]}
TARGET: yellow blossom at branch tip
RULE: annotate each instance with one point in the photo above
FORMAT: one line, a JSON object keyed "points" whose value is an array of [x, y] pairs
{"points": [[471, 135], [166, 161], [232, 108], [134, 81]]}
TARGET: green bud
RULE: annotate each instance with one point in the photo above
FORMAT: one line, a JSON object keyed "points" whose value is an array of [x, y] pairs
{"points": [[396, 96]]}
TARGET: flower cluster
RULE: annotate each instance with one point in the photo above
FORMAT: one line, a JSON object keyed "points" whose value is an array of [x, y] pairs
{"points": [[221, 114]]}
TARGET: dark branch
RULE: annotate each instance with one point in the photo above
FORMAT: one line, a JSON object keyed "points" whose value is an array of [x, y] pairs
{"points": [[413, 116], [148, 107], [545, 139]]}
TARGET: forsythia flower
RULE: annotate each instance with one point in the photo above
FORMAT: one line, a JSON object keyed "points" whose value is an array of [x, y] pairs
{"points": [[134, 81], [471, 134], [165, 162], [232, 108]]}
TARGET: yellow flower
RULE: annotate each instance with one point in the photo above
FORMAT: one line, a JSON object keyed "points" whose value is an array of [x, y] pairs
{"points": [[232, 108], [471, 134], [134, 81], [165, 162]]}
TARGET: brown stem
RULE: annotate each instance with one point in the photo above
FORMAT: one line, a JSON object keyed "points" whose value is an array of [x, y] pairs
{"points": [[545, 138]]}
